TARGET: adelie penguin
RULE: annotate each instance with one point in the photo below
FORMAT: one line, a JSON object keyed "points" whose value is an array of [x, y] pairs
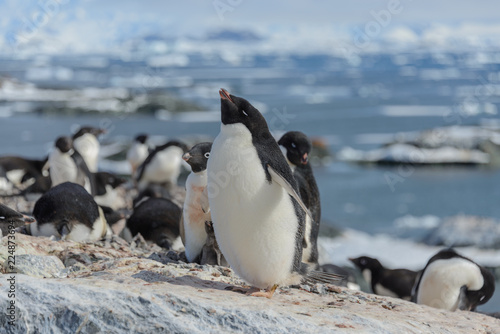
{"points": [[297, 148], [138, 152], [451, 281], [196, 210], [162, 166], [257, 213], [67, 165], [17, 172], [157, 220], [11, 219], [386, 282], [68, 212], [86, 143]]}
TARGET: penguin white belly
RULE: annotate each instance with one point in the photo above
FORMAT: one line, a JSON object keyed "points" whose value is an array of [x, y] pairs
{"points": [[165, 166], [255, 222], [88, 147], [62, 168], [441, 282], [194, 217], [136, 155]]}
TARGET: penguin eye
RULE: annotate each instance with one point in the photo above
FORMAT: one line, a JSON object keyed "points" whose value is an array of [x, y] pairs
{"points": [[2, 218], [244, 112], [293, 145], [363, 261], [207, 155], [481, 299]]}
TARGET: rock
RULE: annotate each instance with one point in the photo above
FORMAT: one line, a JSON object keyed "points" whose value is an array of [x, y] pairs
{"points": [[119, 290], [466, 231], [36, 266], [462, 145]]}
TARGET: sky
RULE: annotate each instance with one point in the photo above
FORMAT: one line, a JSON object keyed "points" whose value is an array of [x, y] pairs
{"points": [[83, 25]]}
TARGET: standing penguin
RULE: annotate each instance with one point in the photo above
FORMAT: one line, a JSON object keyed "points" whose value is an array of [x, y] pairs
{"points": [[68, 211], [297, 147], [386, 282], [451, 281], [67, 165], [138, 152], [162, 166], [86, 143], [257, 213], [196, 209]]}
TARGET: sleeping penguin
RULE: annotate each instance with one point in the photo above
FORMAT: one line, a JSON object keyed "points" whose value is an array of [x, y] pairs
{"points": [[68, 212], [451, 281], [257, 213], [386, 282], [157, 220], [297, 147]]}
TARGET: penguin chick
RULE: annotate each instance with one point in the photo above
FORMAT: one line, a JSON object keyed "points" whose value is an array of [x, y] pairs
{"points": [[297, 148], [386, 282], [157, 220], [68, 211], [451, 281], [196, 209], [86, 143], [257, 212], [162, 166], [67, 165], [138, 152]]}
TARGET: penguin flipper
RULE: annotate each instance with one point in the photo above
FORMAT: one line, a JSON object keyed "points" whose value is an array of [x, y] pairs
{"points": [[288, 187], [204, 201], [314, 276]]}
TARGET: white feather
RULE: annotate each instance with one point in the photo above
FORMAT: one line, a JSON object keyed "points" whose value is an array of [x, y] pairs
{"points": [[254, 221], [164, 167], [194, 216], [62, 167], [136, 154], [88, 147], [441, 282]]}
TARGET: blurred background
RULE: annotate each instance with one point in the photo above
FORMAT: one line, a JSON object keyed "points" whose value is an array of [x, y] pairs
{"points": [[400, 97]]}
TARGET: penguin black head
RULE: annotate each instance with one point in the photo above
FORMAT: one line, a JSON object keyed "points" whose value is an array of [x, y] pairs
{"points": [[106, 178], [141, 138], [235, 110], [12, 216], [64, 144], [197, 156], [88, 129], [297, 146], [365, 262]]}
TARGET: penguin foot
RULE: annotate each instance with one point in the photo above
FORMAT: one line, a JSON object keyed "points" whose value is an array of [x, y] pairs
{"points": [[268, 293]]}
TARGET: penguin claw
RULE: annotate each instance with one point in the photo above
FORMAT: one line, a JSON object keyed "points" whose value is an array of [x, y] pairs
{"points": [[268, 293]]}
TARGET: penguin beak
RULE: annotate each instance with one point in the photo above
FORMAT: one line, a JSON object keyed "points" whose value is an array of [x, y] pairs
{"points": [[28, 219], [224, 95], [304, 159], [186, 156]]}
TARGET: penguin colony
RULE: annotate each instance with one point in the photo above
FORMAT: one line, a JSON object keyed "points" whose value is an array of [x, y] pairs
{"points": [[251, 202]]}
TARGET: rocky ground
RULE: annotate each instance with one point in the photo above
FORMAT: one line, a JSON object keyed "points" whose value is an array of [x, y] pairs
{"points": [[114, 287]]}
